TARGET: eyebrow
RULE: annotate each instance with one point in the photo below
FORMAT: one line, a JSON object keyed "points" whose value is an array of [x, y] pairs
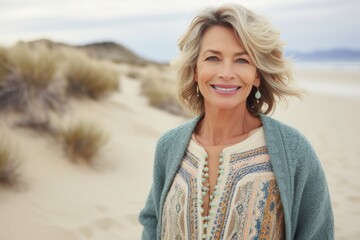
{"points": [[219, 53]]}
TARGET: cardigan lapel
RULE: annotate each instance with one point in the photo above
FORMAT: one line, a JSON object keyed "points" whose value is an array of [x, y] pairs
{"points": [[177, 149], [276, 149]]}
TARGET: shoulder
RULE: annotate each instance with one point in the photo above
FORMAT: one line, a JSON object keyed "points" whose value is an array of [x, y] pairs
{"points": [[288, 133], [295, 145], [175, 139], [172, 144], [175, 135]]}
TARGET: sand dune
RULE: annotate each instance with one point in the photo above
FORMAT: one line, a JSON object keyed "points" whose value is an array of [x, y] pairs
{"points": [[67, 201]]}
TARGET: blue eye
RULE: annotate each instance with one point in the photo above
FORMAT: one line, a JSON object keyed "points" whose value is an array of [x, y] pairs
{"points": [[212, 58], [242, 60]]}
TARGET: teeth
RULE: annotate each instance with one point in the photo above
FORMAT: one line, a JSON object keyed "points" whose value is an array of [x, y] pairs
{"points": [[225, 89]]}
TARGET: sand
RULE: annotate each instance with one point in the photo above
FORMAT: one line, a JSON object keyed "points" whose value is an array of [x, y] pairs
{"points": [[67, 201]]}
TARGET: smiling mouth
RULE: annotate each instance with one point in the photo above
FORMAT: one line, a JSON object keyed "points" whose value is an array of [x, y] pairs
{"points": [[224, 89]]}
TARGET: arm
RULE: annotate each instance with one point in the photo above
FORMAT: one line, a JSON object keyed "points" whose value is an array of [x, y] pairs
{"points": [[148, 218], [149, 215], [170, 146], [315, 217]]}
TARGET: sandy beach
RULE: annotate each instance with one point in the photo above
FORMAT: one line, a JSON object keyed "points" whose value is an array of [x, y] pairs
{"points": [[61, 200]]}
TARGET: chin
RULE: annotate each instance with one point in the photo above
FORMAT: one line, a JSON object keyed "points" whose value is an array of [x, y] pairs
{"points": [[228, 106]]}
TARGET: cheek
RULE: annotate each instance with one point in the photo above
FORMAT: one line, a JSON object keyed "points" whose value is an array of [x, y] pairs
{"points": [[249, 77], [202, 74]]}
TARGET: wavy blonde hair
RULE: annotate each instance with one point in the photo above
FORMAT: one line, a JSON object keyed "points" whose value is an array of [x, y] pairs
{"points": [[259, 39]]}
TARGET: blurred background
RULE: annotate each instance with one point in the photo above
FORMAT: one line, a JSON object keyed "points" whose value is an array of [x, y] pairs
{"points": [[86, 90], [151, 28]]}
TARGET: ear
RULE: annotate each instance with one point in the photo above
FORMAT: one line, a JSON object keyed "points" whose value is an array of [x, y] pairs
{"points": [[257, 79], [195, 75]]}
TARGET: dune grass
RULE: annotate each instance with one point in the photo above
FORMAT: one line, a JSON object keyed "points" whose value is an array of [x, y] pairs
{"points": [[160, 89], [4, 64], [134, 74], [9, 176], [89, 78], [46, 75], [82, 141], [37, 122], [28, 74], [12, 91], [13, 95], [34, 65]]}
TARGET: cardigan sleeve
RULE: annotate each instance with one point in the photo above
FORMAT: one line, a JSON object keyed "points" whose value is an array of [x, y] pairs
{"points": [[149, 215], [148, 218], [312, 206]]}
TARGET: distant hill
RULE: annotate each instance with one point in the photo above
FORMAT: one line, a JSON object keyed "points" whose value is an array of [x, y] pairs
{"points": [[331, 55], [103, 50], [113, 52], [48, 43]]}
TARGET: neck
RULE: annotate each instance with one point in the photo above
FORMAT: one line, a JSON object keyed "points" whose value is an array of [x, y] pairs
{"points": [[223, 127]]}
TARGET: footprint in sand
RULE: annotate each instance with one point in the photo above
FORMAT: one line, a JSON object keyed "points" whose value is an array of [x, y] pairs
{"points": [[100, 208], [102, 224]]}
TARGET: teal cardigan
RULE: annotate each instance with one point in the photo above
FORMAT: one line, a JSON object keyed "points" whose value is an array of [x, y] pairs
{"points": [[299, 176]]}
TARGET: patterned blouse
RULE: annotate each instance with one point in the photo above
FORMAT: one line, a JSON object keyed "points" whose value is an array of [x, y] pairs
{"points": [[248, 207]]}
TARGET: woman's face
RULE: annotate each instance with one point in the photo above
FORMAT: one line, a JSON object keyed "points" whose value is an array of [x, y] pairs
{"points": [[224, 71]]}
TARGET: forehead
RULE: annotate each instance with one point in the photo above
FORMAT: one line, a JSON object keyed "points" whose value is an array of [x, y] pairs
{"points": [[220, 37]]}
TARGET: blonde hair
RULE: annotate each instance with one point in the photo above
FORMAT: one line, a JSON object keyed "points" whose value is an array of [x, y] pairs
{"points": [[260, 40]]}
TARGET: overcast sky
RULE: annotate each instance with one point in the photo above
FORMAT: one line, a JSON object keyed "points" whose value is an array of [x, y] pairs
{"points": [[151, 27]]}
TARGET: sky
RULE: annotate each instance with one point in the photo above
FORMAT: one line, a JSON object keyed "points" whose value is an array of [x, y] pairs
{"points": [[151, 28]]}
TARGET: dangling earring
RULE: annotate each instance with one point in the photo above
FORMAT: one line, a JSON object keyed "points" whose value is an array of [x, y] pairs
{"points": [[197, 91], [257, 95]]}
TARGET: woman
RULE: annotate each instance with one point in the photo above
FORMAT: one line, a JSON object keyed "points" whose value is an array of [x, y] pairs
{"points": [[233, 172]]}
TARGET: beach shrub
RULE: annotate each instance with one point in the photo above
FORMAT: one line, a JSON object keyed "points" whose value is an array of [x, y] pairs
{"points": [[134, 74], [82, 141], [4, 64], [38, 122], [160, 89], [11, 92], [29, 74], [87, 77], [34, 65], [9, 176]]}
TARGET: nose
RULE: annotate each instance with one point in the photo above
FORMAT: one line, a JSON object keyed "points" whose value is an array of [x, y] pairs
{"points": [[226, 71]]}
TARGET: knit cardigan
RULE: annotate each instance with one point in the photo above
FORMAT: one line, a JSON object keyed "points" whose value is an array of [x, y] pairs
{"points": [[300, 178]]}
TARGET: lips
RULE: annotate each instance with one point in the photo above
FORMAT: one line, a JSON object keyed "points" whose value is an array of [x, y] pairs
{"points": [[227, 89]]}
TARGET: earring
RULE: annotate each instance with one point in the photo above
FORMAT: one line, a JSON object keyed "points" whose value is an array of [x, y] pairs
{"points": [[197, 91], [257, 95]]}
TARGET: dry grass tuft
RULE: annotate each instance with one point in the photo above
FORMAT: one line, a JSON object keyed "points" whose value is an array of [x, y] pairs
{"points": [[86, 77], [36, 73], [29, 74], [134, 74], [12, 91], [82, 141], [9, 177], [36, 66], [39, 123], [13, 94], [4, 64], [160, 89]]}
